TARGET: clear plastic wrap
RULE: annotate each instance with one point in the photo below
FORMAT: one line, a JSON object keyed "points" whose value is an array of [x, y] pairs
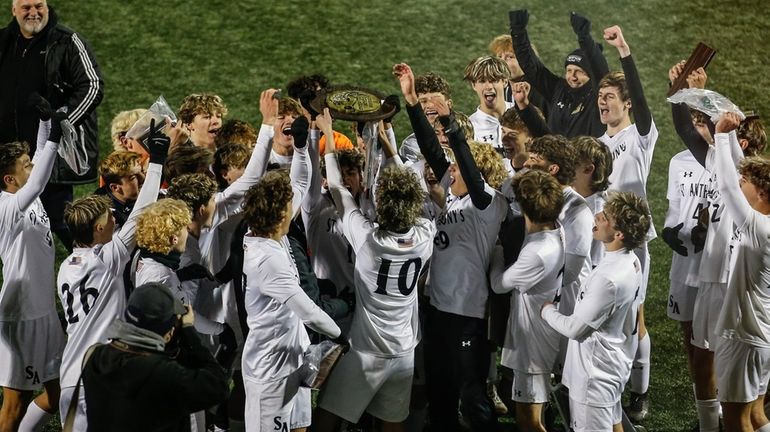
{"points": [[708, 102], [158, 112], [73, 149], [318, 362]]}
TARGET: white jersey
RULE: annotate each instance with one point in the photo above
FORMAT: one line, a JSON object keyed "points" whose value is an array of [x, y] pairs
{"points": [[331, 255], [486, 128], [531, 345], [688, 193], [577, 221], [598, 366], [714, 261], [280, 160], [595, 203], [410, 150], [462, 249], [631, 159], [277, 339], [388, 266], [26, 248], [149, 270]]}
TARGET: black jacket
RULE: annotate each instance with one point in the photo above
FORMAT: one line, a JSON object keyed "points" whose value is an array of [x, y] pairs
{"points": [[141, 390], [72, 79]]}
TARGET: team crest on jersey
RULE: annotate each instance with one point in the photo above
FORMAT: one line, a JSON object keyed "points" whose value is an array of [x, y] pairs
{"points": [[577, 109]]}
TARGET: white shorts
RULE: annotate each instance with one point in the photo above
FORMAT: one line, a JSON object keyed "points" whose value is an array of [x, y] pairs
{"points": [[708, 303], [681, 301], [381, 386], [276, 405], [81, 421], [530, 388], [742, 371], [30, 352], [587, 418], [643, 253]]}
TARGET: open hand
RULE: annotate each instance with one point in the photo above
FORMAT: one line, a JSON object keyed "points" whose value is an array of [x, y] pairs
{"points": [[405, 77], [268, 106]]}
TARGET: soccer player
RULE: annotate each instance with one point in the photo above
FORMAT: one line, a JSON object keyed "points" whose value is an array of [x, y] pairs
{"points": [[502, 48], [201, 115], [376, 375], [742, 355], [229, 162], [457, 357], [602, 328], [488, 77], [429, 87], [90, 280], [281, 120], [531, 345], [277, 308], [572, 98], [121, 172], [27, 309], [631, 145]]}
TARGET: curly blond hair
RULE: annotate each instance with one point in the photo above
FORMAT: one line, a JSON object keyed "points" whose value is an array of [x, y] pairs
{"points": [[121, 123], [591, 150], [81, 215], [264, 206], [431, 82], [159, 222], [539, 195], [117, 165], [756, 169], [489, 162], [399, 199], [630, 215], [205, 103]]}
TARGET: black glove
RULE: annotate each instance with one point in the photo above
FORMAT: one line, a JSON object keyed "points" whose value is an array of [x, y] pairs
{"points": [[305, 97], [393, 101], [56, 118], [228, 346], [157, 144], [41, 105], [518, 20], [192, 272], [671, 237], [299, 131], [342, 340], [580, 25], [698, 237]]}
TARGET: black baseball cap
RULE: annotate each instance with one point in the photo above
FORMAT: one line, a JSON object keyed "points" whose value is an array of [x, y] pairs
{"points": [[153, 307]]}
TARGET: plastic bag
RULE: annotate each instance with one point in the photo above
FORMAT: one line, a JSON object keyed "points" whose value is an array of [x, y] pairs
{"points": [[158, 112], [318, 362], [708, 102], [73, 149]]}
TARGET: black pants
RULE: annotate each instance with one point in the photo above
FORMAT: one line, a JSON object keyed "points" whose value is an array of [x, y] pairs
{"points": [[456, 366], [54, 198]]}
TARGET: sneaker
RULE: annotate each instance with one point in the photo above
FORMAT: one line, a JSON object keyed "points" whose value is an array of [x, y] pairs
{"points": [[638, 407], [500, 408]]}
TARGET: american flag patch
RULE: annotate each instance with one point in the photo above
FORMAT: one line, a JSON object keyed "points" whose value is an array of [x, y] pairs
{"points": [[405, 242], [75, 260]]}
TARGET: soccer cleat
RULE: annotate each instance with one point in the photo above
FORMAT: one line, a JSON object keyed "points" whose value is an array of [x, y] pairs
{"points": [[638, 407], [500, 408]]}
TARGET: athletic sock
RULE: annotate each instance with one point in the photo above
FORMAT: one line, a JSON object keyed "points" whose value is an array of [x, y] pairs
{"points": [[237, 425], [765, 428], [640, 371], [708, 415], [34, 419], [492, 374]]}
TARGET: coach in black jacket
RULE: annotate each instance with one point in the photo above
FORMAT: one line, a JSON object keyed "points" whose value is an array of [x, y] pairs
{"points": [[137, 383], [38, 55]]}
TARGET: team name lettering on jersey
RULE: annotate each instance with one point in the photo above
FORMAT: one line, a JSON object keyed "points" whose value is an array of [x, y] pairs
{"points": [[280, 425], [450, 217], [620, 149]]}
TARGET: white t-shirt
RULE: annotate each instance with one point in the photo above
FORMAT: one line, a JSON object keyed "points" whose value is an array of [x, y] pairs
{"points": [[531, 345], [388, 266], [577, 221], [688, 193], [277, 339], [486, 128], [631, 159], [598, 366], [462, 249]]}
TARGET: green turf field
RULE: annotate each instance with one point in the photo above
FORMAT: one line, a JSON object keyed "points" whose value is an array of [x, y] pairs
{"points": [[237, 49]]}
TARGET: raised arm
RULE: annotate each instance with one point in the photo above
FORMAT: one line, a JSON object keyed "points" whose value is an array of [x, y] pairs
{"points": [[642, 115], [736, 204], [300, 164], [680, 113], [343, 199], [592, 50], [535, 71], [44, 159], [423, 130], [314, 190], [529, 115]]}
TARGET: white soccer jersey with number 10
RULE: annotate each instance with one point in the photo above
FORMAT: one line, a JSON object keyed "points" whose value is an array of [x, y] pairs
{"points": [[388, 266], [599, 365], [688, 192]]}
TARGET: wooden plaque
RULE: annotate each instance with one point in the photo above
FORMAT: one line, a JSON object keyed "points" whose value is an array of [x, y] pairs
{"points": [[700, 57]]}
